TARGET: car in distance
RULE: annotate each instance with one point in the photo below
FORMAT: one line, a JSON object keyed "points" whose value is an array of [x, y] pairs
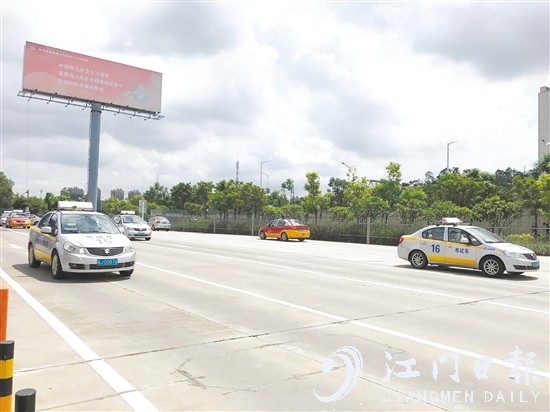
{"points": [[159, 223], [34, 219], [75, 238], [18, 219], [4, 216], [133, 226], [285, 229], [451, 243]]}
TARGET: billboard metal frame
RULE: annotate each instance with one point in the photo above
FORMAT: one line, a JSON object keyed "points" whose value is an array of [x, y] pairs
{"points": [[66, 101]]}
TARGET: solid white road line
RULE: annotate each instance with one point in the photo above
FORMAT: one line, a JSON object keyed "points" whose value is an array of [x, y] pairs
{"points": [[120, 385]]}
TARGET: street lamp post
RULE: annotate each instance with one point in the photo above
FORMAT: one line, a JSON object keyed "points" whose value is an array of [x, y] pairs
{"points": [[349, 170], [266, 175], [262, 171], [448, 144], [161, 173]]}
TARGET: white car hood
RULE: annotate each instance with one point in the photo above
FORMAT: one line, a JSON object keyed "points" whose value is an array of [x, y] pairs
{"points": [[97, 239], [508, 247]]}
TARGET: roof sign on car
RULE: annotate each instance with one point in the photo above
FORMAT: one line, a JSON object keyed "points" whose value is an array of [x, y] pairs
{"points": [[127, 212], [451, 221], [68, 205]]}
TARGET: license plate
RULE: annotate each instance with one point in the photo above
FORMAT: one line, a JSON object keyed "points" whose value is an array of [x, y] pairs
{"points": [[536, 265], [107, 262], [140, 233]]}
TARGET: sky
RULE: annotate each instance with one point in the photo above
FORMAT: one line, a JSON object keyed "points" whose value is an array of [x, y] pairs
{"points": [[282, 89]]}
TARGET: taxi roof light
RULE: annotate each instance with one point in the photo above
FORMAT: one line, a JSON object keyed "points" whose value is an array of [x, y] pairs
{"points": [[70, 205], [127, 212], [451, 221]]}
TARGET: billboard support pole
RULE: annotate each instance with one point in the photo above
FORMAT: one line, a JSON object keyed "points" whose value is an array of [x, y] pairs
{"points": [[93, 155]]}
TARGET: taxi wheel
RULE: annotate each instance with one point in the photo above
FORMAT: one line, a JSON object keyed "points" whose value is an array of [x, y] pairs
{"points": [[57, 270], [284, 237], [153, 228], [127, 273], [301, 239], [418, 259], [491, 266], [262, 235], [33, 263]]}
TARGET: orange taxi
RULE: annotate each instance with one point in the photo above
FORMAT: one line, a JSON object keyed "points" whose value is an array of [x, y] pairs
{"points": [[285, 229], [16, 219]]}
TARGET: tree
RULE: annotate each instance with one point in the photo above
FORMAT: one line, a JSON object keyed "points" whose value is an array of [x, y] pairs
{"points": [[6, 191], [253, 198], [388, 189], [543, 183], [340, 213], [157, 194], [496, 211], [277, 198], [288, 184], [337, 187], [540, 167], [201, 195], [35, 204], [527, 191], [446, 208], [463, 191], [412, 204], [180, 194], [113, 206], [312, 201]]}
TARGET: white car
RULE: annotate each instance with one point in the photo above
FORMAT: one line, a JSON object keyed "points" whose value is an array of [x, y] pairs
{"points": [[4, 216], [453, 244], [159, 223], [133, 226], [76, 239]]}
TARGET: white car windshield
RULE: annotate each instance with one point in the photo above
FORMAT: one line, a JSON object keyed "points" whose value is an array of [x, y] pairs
{"points": [[87, 223], [485, 236], [132, 219]]}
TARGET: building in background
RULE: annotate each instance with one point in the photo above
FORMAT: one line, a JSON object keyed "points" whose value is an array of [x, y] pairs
{"points": [[75, 193], [544, 122], [117, 194], [133, 193]]}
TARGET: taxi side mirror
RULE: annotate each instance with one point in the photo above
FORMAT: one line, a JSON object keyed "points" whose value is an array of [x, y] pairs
{"points": [[46, 230], [464, 239]]}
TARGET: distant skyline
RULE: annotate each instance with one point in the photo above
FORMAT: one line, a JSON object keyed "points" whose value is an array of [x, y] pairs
{"points": [[306, 85]]}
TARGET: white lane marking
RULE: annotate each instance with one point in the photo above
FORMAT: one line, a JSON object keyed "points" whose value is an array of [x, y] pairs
{"points": [[120, 385], [347, 320], [370, 282]]}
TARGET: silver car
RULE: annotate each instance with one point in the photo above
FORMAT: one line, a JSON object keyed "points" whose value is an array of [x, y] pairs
{"points": [[159, 223], [133, 226], [76, 239]]}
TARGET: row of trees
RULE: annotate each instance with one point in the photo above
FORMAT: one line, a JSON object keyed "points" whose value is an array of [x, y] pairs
{"points": [[472, 195]]}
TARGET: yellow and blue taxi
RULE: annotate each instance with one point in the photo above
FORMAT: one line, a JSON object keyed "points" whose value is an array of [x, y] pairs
{"points": [[451, 243], [75, 238], [285, 229]]}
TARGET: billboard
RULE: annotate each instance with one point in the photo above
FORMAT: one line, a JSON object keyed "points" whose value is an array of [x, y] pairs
{"points": [[79, 77]]}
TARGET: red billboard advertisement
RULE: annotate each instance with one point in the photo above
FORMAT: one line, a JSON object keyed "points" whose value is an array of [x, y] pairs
{"points": [[79, 77]]}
